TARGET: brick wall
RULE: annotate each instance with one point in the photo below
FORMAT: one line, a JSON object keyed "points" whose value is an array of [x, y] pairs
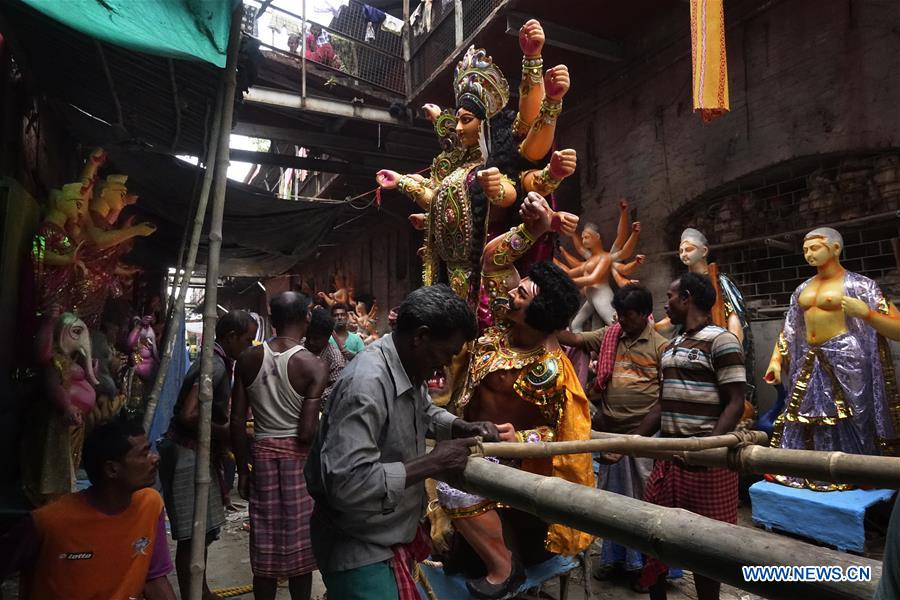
{"points": [[381, 259], [808, 80], [857, 195]]}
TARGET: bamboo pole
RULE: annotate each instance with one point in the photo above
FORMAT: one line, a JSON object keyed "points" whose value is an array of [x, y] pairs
{"points": [[183, 275], [675, 536], [210, 315], [838, 467], [624, 444]]}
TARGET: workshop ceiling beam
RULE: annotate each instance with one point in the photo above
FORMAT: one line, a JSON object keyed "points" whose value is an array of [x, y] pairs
{"points": [[567, 38]]}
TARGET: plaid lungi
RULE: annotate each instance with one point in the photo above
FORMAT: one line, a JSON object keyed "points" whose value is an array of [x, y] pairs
{"points": [[712, 493], [280, 508], [176, 474]]}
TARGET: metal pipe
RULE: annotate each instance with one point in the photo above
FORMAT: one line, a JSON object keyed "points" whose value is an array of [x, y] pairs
{"points": [[177, 104], [109, 81], [272, 97], [303, 56], [202, 476], [677, 537]]}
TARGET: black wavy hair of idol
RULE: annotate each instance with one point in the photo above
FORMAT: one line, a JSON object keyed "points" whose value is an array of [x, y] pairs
{"points": [[557, 299], [504, 155]]}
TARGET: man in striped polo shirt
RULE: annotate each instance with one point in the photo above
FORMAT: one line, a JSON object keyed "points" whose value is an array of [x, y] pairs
{"points": [[702, 393]]}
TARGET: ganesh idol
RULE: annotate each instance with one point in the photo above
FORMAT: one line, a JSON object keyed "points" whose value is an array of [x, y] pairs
{"points": [[835, 362], [55, 423], [488, 161]]}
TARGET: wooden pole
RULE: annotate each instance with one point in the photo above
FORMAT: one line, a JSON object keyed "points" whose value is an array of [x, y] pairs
{"points": [[838, 467], [623, 444], [675, 536], [181, 281], [202, 468]]}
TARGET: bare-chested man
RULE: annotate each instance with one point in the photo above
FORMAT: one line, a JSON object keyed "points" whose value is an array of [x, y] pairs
{"points": [[282, 383], [519, 379]]}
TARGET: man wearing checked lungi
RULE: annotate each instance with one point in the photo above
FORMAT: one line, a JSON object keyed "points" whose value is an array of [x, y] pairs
{"points": [[282, 383]]}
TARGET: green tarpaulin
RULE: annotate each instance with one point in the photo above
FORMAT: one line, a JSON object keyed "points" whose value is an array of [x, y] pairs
{"points": [[185, 29]]}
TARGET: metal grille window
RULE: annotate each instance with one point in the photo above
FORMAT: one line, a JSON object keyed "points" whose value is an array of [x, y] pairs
{"points": [[756, 226]]}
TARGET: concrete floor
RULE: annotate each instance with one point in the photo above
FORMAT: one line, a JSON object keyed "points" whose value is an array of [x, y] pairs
{"points": [[229, 566]]}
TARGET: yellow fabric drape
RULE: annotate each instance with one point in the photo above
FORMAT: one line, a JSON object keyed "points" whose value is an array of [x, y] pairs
{"points": [[574, 424], [709, 66]]}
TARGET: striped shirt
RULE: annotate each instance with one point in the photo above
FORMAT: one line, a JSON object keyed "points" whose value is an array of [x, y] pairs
{"points": [[634, 386], [695, 365]]}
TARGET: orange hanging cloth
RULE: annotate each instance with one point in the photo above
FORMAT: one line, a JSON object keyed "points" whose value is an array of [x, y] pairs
{"points": [[709, 66]]}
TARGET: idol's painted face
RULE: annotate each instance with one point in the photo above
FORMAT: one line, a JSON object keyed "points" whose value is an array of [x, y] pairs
{"points": [[467, 128], [690, 253], [590, 239], [520, 298], [817, 252]]}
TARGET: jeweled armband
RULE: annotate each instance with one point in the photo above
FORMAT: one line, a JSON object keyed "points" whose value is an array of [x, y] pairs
{"points": [[545, 182], [411, 188], [501, 196], [515, 243], [550, 111], [540, 434], [520, 128], [532, 74]]}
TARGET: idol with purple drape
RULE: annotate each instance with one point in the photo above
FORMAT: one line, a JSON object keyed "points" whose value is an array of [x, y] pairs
{"points": [[842, 394]]}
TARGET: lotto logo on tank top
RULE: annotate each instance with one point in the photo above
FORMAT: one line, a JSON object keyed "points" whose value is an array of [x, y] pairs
{"points": [[76, 556]]}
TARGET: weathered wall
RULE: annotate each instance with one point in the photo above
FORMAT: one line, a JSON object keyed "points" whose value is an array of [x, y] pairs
{"points": [[806, 78], [381, 261]]}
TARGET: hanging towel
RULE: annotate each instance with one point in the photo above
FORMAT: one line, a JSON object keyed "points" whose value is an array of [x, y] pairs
{"points": [[392, 25], [708, 63]]}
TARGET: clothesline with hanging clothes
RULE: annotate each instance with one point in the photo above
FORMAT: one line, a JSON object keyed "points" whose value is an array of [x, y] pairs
{"points": [[376, 17]]}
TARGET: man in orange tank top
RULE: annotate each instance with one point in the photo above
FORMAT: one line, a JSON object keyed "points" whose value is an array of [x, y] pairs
{"points": [[108, 541]]}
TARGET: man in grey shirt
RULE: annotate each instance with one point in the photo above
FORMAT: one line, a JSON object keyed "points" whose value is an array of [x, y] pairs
{"points": [[367, 466]]}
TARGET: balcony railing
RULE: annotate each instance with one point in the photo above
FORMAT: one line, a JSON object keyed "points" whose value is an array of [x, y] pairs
{"points": [[436, 37], [339, 42], [336, 43]]}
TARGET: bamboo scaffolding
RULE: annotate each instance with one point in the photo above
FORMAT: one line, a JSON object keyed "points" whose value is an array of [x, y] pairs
{"points": [[677, 537], [210, 315], [837, 467], [621, 444], [181, 280]]}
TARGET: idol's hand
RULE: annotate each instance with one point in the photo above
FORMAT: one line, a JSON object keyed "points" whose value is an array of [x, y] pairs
{"points": [[387, 179], [507, 432], [144, 229], [432, 111], [98, 156], [636, 227], [563, 163], [417, 220], [773, 374], [531, 38], [623, 204], [854, 307], [490, 182], [556, 82], [565, 223], [536, 213]]}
